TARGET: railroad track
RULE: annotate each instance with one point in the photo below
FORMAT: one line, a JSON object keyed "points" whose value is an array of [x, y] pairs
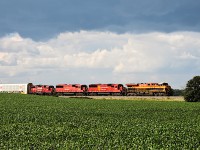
{"points": [[158, 98]]}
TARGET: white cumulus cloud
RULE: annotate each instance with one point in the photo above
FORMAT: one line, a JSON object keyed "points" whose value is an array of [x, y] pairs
{"points": [[107, 56]]}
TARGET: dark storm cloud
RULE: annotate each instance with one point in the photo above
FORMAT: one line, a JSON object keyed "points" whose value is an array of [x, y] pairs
{"points": [[40, 19]]}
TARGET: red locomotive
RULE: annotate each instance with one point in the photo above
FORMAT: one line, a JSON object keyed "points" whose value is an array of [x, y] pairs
{"points": [[106, 89], [71, 89], [42, 89]]}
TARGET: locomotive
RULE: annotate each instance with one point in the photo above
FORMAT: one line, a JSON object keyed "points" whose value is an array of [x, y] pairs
{"points": [[131, 89], [42, 89], [71, 89], [154, 89], [106, 89]]}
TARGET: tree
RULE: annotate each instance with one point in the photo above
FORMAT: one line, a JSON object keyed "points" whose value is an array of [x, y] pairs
{"points": [[192, 90]]}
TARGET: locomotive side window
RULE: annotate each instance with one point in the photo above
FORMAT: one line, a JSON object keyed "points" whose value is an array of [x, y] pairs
{"points": [[59, 86], [76, 86], [92, 85], [120, 87]]}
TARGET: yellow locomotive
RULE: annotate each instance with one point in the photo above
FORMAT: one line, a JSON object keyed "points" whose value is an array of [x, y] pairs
{"points": [[155, 89]]}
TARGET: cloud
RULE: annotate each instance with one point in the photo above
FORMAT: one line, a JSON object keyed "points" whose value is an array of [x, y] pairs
{"points": [[120, 57], [44, 19]]}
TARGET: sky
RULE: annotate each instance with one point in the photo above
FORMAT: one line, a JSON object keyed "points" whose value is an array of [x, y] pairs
{"points": [[99, 41]]}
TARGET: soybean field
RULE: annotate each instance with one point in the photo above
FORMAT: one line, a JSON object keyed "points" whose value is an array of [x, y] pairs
{"points": [[45, 122]]}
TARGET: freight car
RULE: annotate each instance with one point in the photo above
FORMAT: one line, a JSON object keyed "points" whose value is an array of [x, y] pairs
{"points": [[16, 88], [154, 89], [106, 89]]}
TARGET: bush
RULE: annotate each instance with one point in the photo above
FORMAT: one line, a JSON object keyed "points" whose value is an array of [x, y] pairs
{"points": [[192, 91], [178, 92]]}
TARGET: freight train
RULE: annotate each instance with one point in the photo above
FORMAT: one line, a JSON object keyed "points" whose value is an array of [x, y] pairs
{"points": [[131, 89]]}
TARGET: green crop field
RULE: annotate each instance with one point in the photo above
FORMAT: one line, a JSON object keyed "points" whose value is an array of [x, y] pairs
{"points": [[41, 122]]}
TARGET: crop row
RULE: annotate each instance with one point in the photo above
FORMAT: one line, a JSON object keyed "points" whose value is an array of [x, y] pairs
{"points": [[40, 122]]}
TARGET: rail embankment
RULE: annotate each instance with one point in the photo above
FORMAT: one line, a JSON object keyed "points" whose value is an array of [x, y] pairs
{"points": [[148, 98]]}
